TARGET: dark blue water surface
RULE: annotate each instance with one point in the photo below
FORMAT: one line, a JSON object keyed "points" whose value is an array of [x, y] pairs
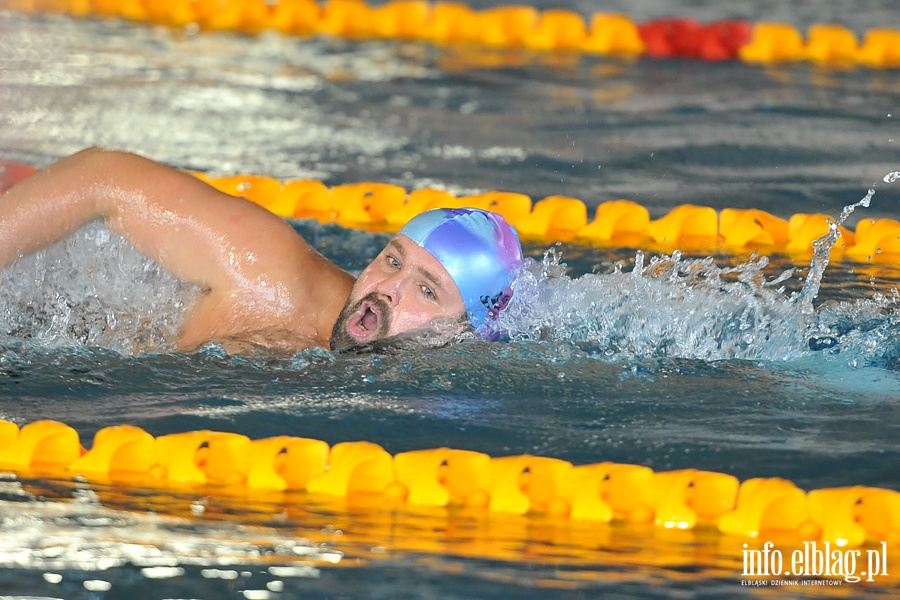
{"points": [[696, 364]]}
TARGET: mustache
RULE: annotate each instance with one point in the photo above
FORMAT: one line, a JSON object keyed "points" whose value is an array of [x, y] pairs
{"points": [[381, 308], [438, 334], [341, 340]]}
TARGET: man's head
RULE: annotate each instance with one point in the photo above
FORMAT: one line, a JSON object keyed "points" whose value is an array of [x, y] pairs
{"points": [[447, 268]]}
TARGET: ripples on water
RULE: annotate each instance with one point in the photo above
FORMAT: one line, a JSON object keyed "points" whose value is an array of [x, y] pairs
{"points": [[673, 363], [667, 360]]}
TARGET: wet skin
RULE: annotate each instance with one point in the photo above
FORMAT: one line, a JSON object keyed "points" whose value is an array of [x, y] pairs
{"points": [[404, 289], [262, 285]]}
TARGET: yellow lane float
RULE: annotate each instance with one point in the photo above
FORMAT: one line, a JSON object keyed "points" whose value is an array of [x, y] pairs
{"points": [[387, 207], [445, 477], [453, 23]]}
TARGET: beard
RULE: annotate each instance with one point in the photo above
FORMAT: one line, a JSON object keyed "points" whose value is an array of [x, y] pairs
{"points": [[439, 333], [341, 339]]}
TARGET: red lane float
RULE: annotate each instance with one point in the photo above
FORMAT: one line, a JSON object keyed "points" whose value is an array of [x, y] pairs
{"points": [[12, 172], [445, 23]]}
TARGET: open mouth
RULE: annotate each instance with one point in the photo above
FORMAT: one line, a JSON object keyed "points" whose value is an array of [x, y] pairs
{"points": [[365, 322]]}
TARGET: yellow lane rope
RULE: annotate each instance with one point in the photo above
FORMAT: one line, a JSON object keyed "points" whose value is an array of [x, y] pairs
{"points": [[443, 477], [454, 23], [521, 485], [387, 207], [616, 223]]}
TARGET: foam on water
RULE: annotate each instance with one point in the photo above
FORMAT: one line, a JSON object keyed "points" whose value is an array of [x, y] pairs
{"points": [[92, 289], [670, 307], [692, 308]]}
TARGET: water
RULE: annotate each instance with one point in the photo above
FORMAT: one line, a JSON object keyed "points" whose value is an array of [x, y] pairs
{"points": [[756, 366]]}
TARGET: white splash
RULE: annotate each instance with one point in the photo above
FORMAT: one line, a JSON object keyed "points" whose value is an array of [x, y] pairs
{"points": [[671, 307], [92, 289], [692, 308]]}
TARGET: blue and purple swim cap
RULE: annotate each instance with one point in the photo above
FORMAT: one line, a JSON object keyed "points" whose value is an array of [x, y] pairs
{"points": [[480, 251]]}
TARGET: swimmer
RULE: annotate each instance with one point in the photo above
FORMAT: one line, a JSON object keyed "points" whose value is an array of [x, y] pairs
{"points": [[263, 285]]}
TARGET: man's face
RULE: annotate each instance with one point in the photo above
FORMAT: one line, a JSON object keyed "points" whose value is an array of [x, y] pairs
{"points": [[405, 289]]}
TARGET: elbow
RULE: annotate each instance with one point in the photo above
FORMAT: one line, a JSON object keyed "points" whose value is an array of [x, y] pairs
{"points": [[100, 177], [109, 169], [97, 157]]}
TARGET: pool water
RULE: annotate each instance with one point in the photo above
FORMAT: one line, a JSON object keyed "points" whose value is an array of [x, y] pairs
{"points": [[633, 355]]}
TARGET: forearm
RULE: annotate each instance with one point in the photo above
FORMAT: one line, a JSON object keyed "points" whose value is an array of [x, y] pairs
{"points": [[49, 206]]}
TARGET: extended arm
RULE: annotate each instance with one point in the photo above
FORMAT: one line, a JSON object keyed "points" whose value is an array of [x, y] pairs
{"points": [[258, 275], [201, 235]]}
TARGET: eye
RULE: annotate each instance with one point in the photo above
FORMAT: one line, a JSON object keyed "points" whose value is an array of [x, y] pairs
{"points": [[428, 293], [393, 262]]}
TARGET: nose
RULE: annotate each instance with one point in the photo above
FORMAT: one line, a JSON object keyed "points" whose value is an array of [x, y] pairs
{"points": [[391, 288]]}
